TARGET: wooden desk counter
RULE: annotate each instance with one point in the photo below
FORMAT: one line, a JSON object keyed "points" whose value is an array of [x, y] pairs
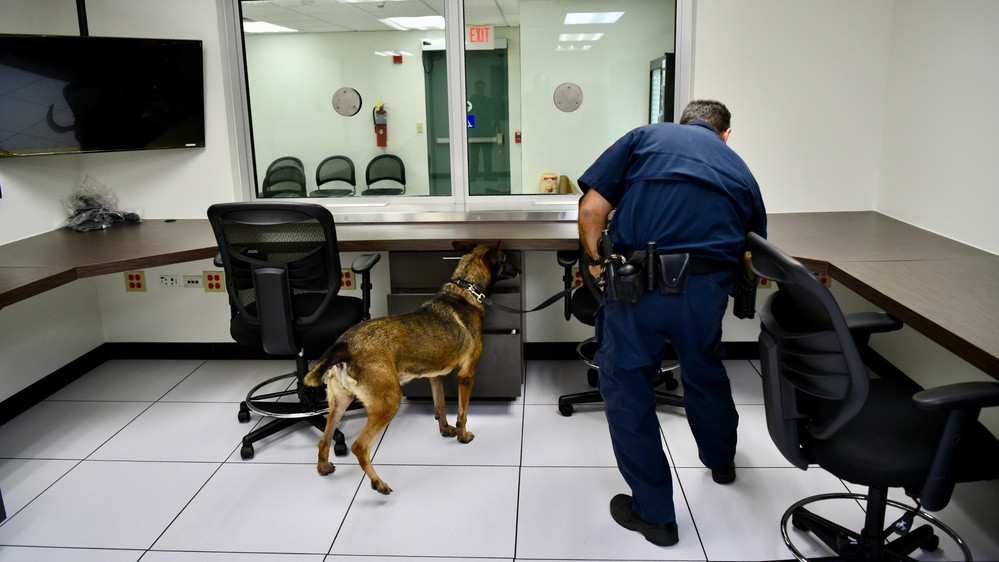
{"points": [[953, 302]]}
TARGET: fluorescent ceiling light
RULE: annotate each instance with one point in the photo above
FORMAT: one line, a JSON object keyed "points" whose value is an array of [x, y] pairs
{"points": [[422, 23], [393, 53], [580, 36], [564, 48], [264, 27], [365, 1], [581, 18]]}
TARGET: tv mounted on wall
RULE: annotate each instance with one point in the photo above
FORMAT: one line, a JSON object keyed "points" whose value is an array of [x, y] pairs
{"points": [[69, 94]]}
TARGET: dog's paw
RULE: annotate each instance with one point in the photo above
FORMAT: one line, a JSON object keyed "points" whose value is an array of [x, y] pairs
{"points": [[466, 437], [325, 468], [381, 487], [448, 431]]}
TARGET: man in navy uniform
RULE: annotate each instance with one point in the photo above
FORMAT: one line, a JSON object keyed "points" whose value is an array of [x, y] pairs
{"points": [[682, 187]]}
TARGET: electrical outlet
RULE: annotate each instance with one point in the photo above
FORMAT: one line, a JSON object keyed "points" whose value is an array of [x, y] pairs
{"points": [[577, 278], [348, 281], [135, 281], [169, 281], [823, 278], [213, 281], [193, 282], [763, 283]]}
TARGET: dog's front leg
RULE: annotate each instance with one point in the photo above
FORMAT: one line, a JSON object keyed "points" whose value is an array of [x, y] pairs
{"points": [[465, 380], [440, 409]]}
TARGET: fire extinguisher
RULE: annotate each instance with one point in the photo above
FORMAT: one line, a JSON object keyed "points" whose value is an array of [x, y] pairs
{"points": [[380, 118]]}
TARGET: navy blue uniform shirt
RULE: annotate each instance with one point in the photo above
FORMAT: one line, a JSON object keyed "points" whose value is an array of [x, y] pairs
{"points": [[681, 186]]}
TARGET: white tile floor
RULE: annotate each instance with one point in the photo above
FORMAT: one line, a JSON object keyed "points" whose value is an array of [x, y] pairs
{"points": [[139, 460]]}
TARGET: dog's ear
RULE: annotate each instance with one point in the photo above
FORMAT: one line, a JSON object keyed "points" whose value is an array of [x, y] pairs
{"points": [[463, 245]]}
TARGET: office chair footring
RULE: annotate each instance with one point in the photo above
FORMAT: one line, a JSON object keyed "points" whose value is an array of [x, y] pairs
{"points": [[251, 399], [863, 498], [586, 357]]}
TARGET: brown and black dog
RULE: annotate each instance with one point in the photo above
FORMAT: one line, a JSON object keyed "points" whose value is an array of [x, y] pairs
{"points": [[372, 360]]}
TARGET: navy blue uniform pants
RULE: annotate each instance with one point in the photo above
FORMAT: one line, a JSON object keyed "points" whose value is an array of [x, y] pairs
{"points": [[632, 341]]}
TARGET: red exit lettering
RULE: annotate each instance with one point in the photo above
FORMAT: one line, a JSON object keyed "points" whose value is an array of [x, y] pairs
{"points": [[478, 35]]}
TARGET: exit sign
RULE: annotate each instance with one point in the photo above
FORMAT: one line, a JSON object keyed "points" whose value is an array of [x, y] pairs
{"points": [[479, 37]]}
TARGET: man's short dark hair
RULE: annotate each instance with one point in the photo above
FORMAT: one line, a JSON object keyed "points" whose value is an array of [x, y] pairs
{"points": [[712, 111]]}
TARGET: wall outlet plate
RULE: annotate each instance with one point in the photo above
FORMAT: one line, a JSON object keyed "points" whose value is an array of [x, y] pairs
{"points": [[213, 281], [135, 281], [348, 280]]}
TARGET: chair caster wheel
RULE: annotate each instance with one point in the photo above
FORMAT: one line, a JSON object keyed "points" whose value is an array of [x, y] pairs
{"points": [[797, 523], [246, 452], [591, 377], [931, 545], [671, 383], [340, 449], [243, 416], [565, 409]]}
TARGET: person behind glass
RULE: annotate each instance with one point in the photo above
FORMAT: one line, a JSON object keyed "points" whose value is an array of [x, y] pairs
{"points": [[682, 187], [486, 127]]}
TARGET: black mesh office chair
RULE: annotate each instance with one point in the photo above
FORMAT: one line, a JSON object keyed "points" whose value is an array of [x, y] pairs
{"points": [[335, 169], [385, 167], [823, 408], [286, 181], [282, 273], [583, 304]]}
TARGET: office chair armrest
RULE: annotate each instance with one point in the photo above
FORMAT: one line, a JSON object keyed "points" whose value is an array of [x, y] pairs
{"points": [[864, 324], [958, 396], [364, 263], [567, 259]]}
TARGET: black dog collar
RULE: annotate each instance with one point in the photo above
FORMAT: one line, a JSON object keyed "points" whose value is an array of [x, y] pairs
{"points": [[471, 288]]}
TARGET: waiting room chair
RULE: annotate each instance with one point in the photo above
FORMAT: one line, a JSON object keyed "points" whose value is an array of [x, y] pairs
{"points": [[583, 304], [282, 273], [385, 167], [287, 181], [335, 169], [285, 162], [824, 408]]}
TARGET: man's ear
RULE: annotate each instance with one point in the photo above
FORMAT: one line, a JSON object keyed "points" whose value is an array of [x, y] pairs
{"points": [[725, 134], [463, 246]]}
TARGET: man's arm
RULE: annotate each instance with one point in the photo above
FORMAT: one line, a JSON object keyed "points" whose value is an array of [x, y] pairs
{"points": [[593, 213]]}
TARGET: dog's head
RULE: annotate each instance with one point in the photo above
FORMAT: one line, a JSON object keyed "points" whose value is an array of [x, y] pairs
{"points": [[483, 265]]}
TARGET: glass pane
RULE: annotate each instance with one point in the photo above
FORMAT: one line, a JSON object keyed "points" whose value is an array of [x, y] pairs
{"points": [[552, 83], [347, 79]]}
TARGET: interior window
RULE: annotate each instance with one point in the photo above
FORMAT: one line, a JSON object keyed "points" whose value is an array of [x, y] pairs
{"points": [[350, 100]]}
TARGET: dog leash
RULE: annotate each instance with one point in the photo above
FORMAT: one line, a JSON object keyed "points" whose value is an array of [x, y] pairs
{"points": [[482, 298]]}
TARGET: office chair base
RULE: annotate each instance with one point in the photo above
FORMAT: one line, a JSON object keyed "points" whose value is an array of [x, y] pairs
{"points": [[312, 409], [586, 350], [849, 545]]}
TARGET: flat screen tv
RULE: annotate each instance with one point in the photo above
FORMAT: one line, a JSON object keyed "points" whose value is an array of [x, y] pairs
{"points": [[68, 94]]}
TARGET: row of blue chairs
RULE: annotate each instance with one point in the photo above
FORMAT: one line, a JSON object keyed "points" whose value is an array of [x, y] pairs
{"points": [[285, 177]]}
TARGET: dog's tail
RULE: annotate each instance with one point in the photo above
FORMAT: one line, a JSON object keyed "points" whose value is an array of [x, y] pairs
{"points": [[333, 358]]}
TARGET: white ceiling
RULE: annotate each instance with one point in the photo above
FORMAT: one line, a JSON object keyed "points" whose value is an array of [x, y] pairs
{"points": [[324, 16]]}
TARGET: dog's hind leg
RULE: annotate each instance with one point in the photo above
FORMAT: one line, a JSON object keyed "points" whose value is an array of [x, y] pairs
{"points": [[381, 409], [440, 409], [339, 398]]}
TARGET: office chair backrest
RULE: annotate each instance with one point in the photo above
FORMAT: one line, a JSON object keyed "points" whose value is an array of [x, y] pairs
{"points": [[335, 168], [285, 181], [385, 167], [814, 379], [271, 253]]}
